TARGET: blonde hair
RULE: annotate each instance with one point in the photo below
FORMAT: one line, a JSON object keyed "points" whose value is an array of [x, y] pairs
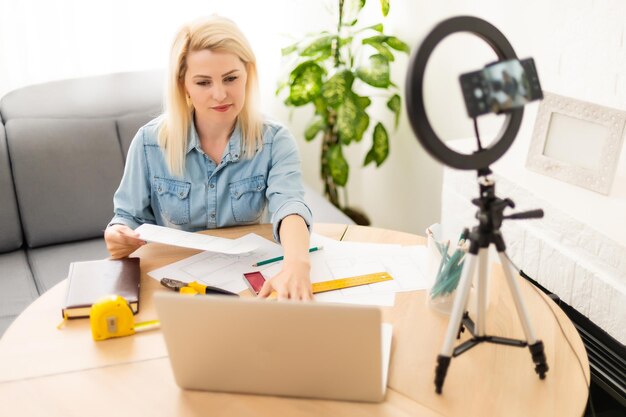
{"points": [[216, 34]]}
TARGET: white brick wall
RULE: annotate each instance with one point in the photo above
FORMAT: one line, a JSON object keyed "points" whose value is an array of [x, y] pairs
{"points": [[570, 258], [579, 47]]}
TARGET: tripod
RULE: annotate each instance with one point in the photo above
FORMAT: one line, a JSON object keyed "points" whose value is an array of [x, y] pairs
{"points": [[490, 217]]}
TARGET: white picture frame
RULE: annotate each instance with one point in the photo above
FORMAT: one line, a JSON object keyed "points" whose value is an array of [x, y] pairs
{"points": [[577, 142]]}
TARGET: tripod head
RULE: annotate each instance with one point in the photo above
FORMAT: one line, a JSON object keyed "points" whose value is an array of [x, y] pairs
{"points": [[490, 214]]}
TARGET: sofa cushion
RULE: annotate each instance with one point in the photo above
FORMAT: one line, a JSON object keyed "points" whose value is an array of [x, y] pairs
{"points": [[108, 95], [10, 228], [66, 172], [17, 285], [50, 264]]}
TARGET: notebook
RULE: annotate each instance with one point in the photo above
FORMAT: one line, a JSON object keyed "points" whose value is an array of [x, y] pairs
{"points": [[91, 280], [303, 349]]}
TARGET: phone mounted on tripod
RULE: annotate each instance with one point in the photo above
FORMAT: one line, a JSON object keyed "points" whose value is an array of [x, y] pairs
{"points": [[504, 88]]}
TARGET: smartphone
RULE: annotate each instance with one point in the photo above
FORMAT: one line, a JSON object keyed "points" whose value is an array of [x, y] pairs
{"points": [[500, 87], [255, 281]]}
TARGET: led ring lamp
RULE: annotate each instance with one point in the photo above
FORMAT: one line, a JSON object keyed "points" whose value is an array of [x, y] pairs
{"points": [[436, 147]]}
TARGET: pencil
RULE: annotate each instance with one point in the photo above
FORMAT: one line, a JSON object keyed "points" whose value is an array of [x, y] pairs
{"points": [[280, 258]]}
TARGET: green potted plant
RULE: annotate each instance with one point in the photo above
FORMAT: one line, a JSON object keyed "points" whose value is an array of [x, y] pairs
{"points": [[326, 72]]}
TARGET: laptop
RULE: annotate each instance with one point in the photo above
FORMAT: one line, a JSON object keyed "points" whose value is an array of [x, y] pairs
{"points": [[295, 349]]}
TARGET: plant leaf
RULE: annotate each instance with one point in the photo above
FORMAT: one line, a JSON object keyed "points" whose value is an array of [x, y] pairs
{"points": [[289, 49], [380, 146], [337, 88], [395, 104], [314, 128], [397, 44], [321, 108], [383, 50], [379, 39], [318, 46], [378, 27], [385, 6], [352, 121], [344, 41], [362, 102], [337, 165], [280, 87], [377, 74], [324, 54], [305, 83]]}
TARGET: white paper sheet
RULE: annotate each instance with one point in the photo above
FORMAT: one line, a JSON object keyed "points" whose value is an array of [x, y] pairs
{"points": [[223, 270], [169, 236], [220, 270], [406, 264]]}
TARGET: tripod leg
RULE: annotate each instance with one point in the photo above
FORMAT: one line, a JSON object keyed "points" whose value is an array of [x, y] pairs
{"points": [[460, 303], [481, 304], [535, 346]]}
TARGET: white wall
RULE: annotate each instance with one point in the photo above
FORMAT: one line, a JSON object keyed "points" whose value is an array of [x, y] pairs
{"points": [[579, 47]]}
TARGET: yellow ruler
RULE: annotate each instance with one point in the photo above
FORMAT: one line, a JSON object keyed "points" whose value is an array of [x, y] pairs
{"points": [[337, 284]]}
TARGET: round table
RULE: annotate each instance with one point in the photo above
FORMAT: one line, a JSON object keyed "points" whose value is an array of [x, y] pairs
{"points": [[63, 372]]}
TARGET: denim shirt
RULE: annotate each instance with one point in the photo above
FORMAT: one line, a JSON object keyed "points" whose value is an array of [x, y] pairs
{"points": [[232, 193]]}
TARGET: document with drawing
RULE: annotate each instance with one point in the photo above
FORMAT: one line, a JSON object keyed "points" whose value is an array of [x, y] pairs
{"points": [[406, 264]]}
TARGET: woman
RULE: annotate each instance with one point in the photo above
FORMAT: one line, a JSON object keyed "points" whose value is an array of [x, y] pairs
{"points": [[211, 161]]}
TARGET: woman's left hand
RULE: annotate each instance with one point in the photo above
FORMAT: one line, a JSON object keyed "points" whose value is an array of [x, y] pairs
{"points": [[291, 283]]}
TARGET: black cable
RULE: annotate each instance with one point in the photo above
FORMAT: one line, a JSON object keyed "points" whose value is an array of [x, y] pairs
{"points": [[580, 363]]}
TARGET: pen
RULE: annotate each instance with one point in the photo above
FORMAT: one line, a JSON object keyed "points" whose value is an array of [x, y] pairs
{"points": [[280, 258]]}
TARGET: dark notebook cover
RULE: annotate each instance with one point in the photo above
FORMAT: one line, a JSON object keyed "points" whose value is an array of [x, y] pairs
{"points": [[91, 280]]}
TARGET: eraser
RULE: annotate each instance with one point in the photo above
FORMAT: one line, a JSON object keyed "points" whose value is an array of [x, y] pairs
{"points": [[255, 281]]}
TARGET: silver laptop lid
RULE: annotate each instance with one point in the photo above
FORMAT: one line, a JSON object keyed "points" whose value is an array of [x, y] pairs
{"points": [[301, 349]]}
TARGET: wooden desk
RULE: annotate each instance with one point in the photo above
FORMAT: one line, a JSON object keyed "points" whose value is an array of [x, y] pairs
{"points": [[50, 372]]}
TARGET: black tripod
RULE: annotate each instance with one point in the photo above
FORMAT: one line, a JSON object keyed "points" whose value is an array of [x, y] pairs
{"points": [[490, 217]]}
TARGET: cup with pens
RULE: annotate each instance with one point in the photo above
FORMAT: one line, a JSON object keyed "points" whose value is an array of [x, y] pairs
{"points": [[445, 267]]}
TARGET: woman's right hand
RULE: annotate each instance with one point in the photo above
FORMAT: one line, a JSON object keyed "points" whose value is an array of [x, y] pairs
{"points": [[121, 240]]}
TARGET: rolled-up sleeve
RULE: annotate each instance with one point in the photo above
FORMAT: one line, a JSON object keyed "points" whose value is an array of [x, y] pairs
{"points": [[131, 201], [285, 192]]}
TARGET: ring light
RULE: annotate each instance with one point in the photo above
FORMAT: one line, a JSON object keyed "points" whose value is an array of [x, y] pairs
{"points": [[433, 144]]}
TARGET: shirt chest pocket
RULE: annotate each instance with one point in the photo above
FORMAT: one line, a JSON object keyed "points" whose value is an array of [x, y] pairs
{"points": [[247, 197], [173, 199]]}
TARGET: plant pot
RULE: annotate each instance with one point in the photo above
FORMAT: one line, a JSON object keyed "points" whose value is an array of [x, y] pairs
{"points": [[357, 216]]}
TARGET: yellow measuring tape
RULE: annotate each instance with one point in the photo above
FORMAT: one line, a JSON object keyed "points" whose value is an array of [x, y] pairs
{"points": [[338, 284], [111, 316]]}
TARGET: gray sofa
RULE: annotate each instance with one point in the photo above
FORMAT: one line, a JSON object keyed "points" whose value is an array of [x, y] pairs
{"points": [[62, 151]]}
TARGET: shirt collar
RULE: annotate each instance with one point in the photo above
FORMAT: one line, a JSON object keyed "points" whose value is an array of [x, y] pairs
{"points": [[231, 153]]}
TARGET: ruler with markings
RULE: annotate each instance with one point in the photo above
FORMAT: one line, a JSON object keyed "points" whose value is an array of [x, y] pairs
{"points": [[337, 284]]}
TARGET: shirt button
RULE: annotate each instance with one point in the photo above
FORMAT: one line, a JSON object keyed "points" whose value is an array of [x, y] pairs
{"points": [[236, 193], [259, 188], [211, 185], [212, 215], [181, 194], [159, 189]]}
